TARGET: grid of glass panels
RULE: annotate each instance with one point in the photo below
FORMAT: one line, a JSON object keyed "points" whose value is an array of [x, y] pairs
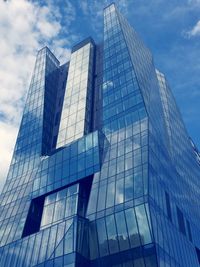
{"points": [[179, 144], [122, 100], [15, 198], [75, 113], [173, 168], [144, 190], [144, 68], [51, 245], [60, 205], [119, 218], [123, 230], [124, 172], [75, 161]]}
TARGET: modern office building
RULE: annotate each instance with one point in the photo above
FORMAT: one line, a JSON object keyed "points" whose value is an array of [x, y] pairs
{"points": [[103, 172]]}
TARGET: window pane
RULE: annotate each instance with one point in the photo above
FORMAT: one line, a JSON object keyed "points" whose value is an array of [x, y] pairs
{"points": [[112, 234], [110, 195], [61, 194], [93, 201], [169, 213], [50, 198], [181, 221], [103, 244], [138, 185], [132, 228], [71, 205], [143, 224], [73, 190], [122, 231], [47, 216], [68, 246], [93, 241], [59, 210], [128, 188], [102, 197], [119, 197]]}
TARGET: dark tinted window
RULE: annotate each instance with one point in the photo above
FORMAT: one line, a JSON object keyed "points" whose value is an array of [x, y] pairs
{"points": [[168, 206], [181, 222]]}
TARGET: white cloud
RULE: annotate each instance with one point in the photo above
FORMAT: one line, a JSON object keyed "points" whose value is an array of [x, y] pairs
{"points": [[195, 31], [194, 2], [25, 27], [94, 10], [7, 139]]}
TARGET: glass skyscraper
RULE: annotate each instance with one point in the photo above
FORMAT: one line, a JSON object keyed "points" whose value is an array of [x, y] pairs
{"points": [[103, 172]]}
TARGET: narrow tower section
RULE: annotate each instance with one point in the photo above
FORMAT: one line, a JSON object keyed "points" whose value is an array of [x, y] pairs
{"points": [[122, 98], [76, 114], [29, 147], [49, 99], [118, 210]]}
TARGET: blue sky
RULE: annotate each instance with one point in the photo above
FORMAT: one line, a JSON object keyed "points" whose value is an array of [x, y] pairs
{"points": [[171, 29]]}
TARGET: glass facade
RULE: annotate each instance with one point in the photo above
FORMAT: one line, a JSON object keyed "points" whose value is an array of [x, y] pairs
{"points": [[103, 172], [76, 111]]}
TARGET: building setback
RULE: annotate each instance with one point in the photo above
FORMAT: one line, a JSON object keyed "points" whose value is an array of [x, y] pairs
{"points": [[103, 171]]}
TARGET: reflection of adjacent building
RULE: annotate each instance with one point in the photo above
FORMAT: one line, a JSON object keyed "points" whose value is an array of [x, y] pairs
{"points": [[103, 172]]}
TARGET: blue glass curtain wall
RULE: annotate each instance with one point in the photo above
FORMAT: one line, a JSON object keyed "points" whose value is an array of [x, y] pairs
{"points": [[103, 171]]}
